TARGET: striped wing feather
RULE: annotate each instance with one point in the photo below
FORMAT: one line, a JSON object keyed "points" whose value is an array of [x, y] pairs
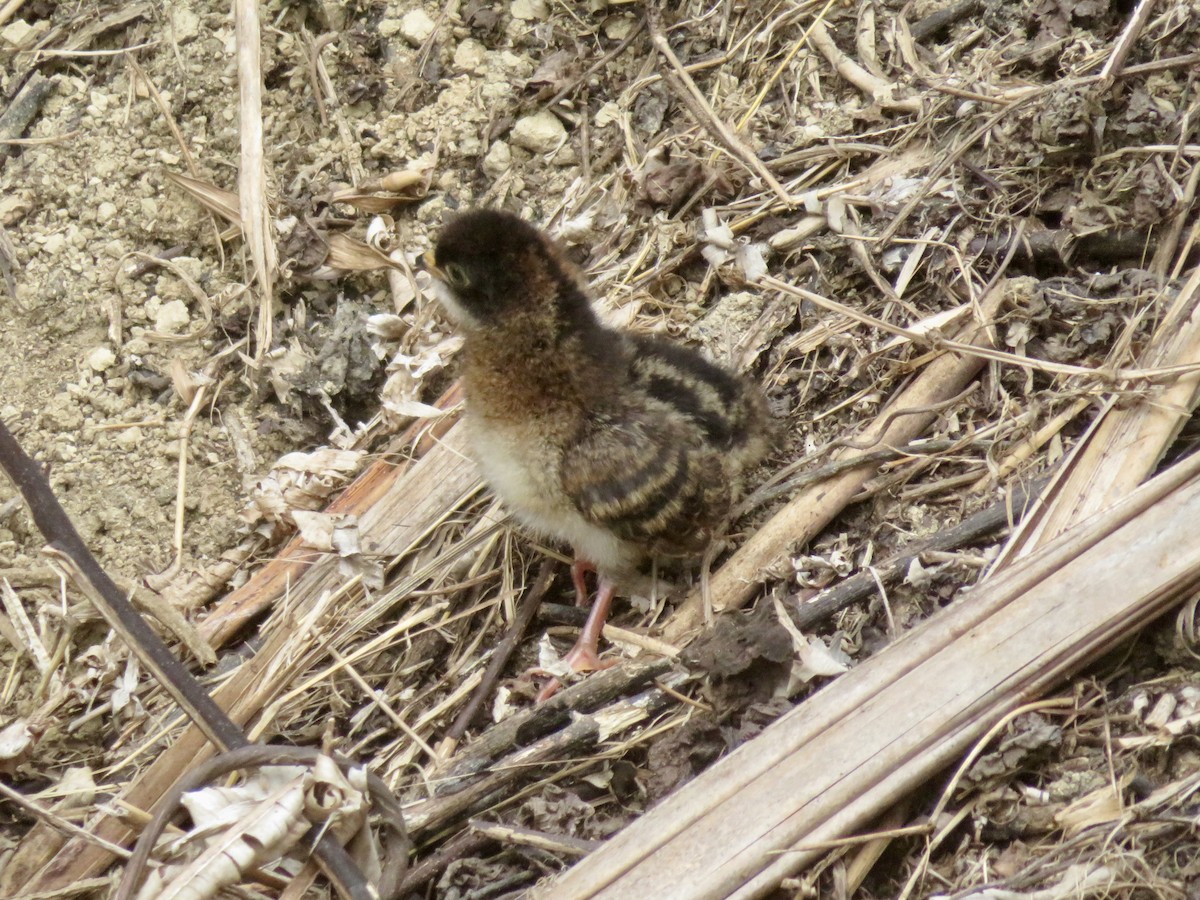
{"points": [[650, 479]]}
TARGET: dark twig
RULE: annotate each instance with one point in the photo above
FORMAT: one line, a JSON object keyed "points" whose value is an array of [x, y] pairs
{"points": [[68, 547], [820, 605], [69, 550], [466, 844], [580, 735], [528, 609], [937, 22], [1059, 247], [526, 726], [24, 107]]}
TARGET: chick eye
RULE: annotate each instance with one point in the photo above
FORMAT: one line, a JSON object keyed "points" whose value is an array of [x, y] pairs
{"points": [[456, 275]]}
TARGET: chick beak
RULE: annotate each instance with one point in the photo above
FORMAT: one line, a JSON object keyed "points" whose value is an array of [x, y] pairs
{"points": [[429, 264]]}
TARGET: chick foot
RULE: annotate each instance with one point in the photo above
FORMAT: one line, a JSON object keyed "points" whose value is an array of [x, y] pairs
{"points": [[585, 655]]}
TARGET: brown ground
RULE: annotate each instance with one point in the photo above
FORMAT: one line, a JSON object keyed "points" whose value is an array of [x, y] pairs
{"points": [[93, 335]]}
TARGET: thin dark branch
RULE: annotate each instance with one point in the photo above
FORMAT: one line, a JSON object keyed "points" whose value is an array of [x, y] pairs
{"points": [[818, 606], [504, 650], [71, 552]]}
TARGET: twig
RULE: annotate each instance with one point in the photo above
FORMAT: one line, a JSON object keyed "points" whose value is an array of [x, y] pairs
{"points": [[1129, 35], [1026, 448], [531, 724], [809, 511], [597, 65], [67, 548], [582, 732], [252, 173], [529, 606], [66, 826], [691, 97], [934, 342], [778, 71], [168, 116], [20, 112], [528, 837], [967, 762], [880, 91], [8, 254], [314, 78], [465, 845], [9, 9], [819, 606], [1169, 242]]}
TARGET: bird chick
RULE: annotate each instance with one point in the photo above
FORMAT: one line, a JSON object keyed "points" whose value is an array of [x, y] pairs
{"points": [[625, 446]]}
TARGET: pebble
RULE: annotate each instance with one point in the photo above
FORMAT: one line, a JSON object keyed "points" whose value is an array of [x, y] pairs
{"points": [[416, 27], [498, 159], [100, 359], [185, 24], [105, 211], [469, 55], [541, 132], [172, 317], [617, 28], [129, 438], [16, 32], [530, 10]]}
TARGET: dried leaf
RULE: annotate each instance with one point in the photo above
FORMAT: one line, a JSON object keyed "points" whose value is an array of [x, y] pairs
{"points": [[218, 200], [270, 829], [16, 743], [350, 255], [384, 194]]}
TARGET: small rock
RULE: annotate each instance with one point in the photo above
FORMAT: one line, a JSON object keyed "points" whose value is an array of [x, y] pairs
{"points": [[469, 55], [541, 132], [185, 24], [14, 207], [498, 160], [617, 28], [530, 10], [16, 32], [416, 27], [130, 438], [100, 359], [105, 211], [171, 318], [55, 243], [470, 145]]}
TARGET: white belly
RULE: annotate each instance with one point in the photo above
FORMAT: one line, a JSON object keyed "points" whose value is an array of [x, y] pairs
{"points": [[525, 477]]}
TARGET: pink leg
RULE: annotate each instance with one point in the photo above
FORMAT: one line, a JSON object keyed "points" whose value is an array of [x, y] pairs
{"points": [[585, 655], [579, 572]]}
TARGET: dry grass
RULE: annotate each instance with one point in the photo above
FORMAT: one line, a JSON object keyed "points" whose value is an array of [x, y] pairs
{"points": [[825, 200]]}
